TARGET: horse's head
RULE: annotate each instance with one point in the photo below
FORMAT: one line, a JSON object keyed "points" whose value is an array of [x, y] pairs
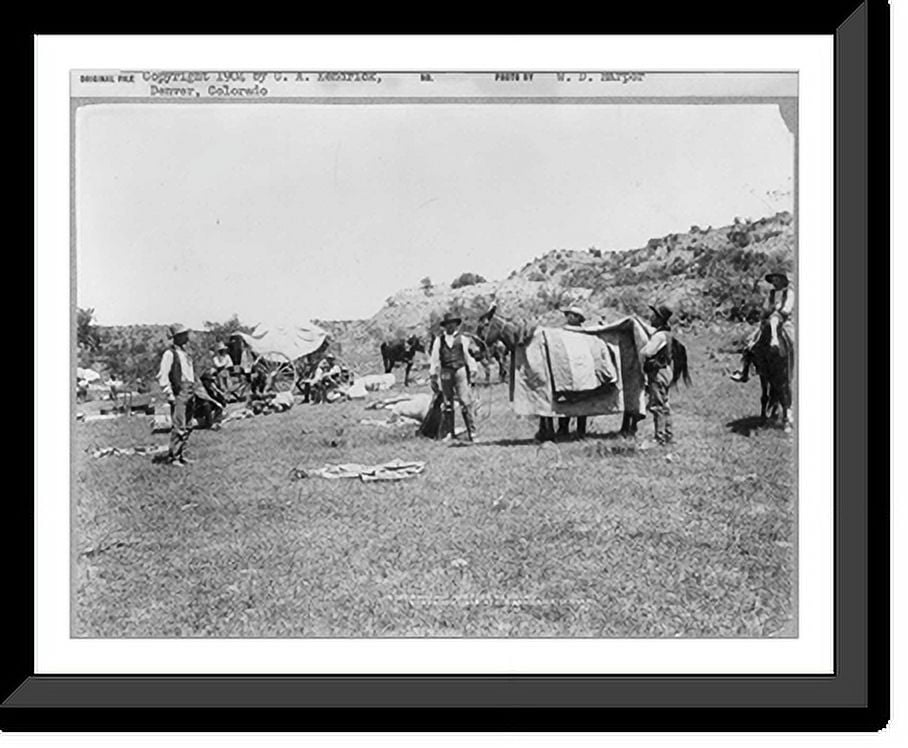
{"points": [[414, 343]]}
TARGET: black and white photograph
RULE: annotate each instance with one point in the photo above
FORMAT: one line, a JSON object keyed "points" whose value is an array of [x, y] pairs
{"points": [[485, 355]]}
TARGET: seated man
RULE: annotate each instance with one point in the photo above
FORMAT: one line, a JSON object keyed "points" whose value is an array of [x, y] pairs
{"points": [[327, 376], [221, 363], [777, 311]]}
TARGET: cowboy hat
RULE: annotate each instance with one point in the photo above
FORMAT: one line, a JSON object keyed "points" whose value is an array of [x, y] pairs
{"points": [[178, 329], [782, 276], [450, 318], [221, 347], [662, 312], [576, 310]]}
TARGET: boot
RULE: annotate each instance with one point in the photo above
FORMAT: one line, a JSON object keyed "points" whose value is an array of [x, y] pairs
{"points": [[544, 433], [564, 428], [471, 425], [446, 424], [669, 437], [659, 427]]}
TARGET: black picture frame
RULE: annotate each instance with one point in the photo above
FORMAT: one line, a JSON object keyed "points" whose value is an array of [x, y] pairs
{"points": [[856, 697]]}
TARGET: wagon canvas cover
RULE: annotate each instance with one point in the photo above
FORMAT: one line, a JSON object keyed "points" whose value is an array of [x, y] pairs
{"points": [[293, 341]]}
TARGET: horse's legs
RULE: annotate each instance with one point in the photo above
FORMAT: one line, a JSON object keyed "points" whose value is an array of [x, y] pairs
{"points": [[787, 420], [629, 423], [407, 373], [624, 429], [764, 397]]}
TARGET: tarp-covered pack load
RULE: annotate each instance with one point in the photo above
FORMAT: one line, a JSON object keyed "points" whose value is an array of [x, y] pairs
{"points": [[557, 373], [293, 341]]}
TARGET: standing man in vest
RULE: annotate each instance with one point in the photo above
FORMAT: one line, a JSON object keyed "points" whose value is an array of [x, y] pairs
{"points": [[573, 317], [177, 379], [657, 366], [777, 311], [451, 368]]}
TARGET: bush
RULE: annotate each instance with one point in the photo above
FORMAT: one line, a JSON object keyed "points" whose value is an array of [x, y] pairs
{"points": [[133, 353], [467, 279]]}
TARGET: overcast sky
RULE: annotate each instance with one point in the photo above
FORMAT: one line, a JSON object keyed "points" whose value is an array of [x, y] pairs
{"points": [[287, 212]]}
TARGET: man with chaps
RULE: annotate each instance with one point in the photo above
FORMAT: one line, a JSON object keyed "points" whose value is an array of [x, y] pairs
{"points": [[451, 368], [777, 310], [177, 379], [657, 366]]}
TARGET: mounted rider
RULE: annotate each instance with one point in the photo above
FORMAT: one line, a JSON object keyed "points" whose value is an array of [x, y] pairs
{"points": [[451, 368], [777, 311], [657, 362]]}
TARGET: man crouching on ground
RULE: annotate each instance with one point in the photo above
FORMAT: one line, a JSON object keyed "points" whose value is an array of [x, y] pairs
{"points": [[177, 379], [451, 368]]}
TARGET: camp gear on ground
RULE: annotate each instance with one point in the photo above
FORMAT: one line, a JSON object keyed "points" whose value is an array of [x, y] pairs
{"points": [[145, 449], [388, 471]]}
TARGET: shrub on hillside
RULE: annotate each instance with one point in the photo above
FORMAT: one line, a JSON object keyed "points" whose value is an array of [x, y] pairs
{"points": [[467, 279], [133, 353]]}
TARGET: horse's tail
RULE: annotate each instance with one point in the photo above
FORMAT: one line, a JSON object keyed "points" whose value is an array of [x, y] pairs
{"points": [[679, 363]]}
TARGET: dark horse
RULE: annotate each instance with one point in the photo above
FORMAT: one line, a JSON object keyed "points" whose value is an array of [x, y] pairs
{"points": [[775, 365], [487, 353], [401, 351]]}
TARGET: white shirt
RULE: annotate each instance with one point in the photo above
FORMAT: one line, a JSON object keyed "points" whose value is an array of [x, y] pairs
{"points": [[221, 361], [186, 370], [435, 356]]}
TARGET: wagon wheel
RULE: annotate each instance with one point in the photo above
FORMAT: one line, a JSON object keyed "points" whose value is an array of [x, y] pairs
{"points": [[279, 371]]}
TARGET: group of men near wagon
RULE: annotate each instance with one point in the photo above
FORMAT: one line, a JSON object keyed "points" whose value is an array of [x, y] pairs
{"points": [[452, 369]]}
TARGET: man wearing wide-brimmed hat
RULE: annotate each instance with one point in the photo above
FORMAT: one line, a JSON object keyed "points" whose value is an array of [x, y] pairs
{"points": [[777, 310], [656, 356], [451, 367], [177, 379]]}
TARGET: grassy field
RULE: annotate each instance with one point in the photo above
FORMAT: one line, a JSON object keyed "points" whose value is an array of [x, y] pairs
{"points": [[503, 538]]}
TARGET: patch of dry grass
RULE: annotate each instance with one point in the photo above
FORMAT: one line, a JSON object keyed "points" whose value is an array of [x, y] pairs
{"points": [[505, 538]]}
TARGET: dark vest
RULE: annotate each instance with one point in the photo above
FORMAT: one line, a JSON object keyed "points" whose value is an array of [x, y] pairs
{"points": [[176, 372], [451, 358]]}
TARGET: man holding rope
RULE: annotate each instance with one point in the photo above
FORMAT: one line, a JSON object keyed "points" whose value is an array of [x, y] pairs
{"points": [[451, 368]]}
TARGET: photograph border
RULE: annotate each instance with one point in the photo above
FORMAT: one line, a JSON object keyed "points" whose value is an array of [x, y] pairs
{"points": [[856, 697]]}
